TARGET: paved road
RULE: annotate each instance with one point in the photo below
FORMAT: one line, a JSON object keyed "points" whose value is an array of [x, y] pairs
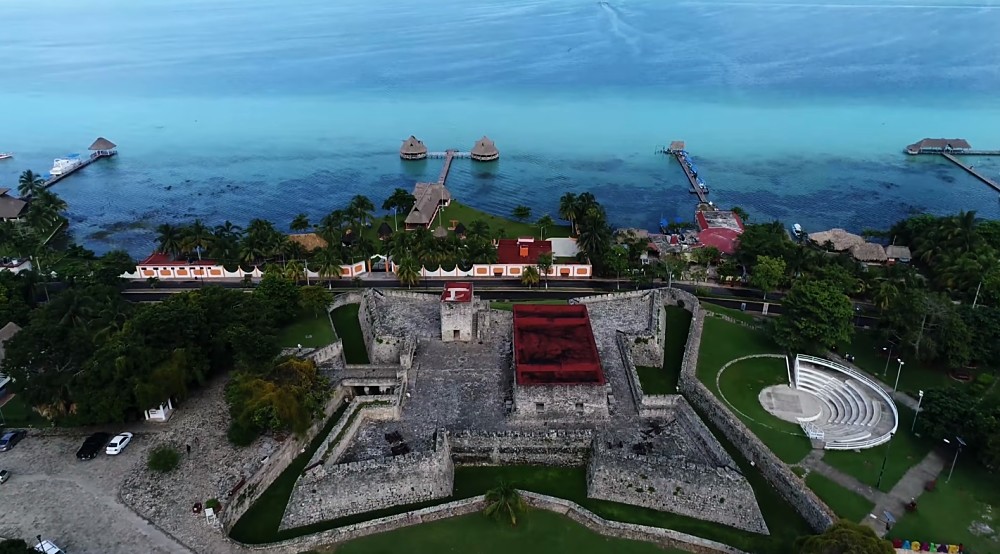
{"points": [[75, 503]]}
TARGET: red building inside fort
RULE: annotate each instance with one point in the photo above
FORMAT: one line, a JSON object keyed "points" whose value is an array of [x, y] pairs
{"points": [[554, 344]]}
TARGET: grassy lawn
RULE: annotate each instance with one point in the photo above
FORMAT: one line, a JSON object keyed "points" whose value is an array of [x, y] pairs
{"points": [[867, 351], [735, 314], [946, 514], [260, 523], [508, 305], [345, 321], [845, 503], [655, 380], [663, 380], [309, 330], [512, 229], [538, 531], [17, 413], [904, 451], [741, 383], [722, 341]]}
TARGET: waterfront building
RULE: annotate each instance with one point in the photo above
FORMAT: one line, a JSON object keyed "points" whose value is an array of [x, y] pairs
{"points": [[11, 209], [413, 149], [484, 151]]}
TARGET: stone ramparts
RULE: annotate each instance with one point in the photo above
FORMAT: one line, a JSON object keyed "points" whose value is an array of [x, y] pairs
{"points": [[343, 432], [257, 483], [559, 448], [792, 489], [335, 491]]}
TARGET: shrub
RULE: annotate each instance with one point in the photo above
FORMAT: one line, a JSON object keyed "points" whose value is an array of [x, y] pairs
{"points": [[213, 504], [241, 435], [164, 458]]}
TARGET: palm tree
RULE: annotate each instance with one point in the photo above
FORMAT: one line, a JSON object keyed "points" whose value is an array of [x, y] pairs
{"points": [[360, 209], [29, 183], [408, 272], [300, 223], [326, 263], [543, 223], [544, 265], [197, 237], [294, 271], [399, 202], [521, 213], [478, 228], [168, 239], [529, 276], [567, 209], [504, 503], [227, 229]]}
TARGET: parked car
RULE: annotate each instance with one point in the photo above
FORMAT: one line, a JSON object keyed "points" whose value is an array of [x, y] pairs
{"points": [[92, 446], [4, 475], [48, 547], [10, 438], [118, 444]]}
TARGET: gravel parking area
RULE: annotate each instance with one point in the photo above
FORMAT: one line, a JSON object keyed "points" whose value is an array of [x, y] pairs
{"points": [[74, 503]]}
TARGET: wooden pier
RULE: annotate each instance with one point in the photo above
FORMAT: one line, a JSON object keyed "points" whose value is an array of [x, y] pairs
{"points": [[676, 149], [453, 153], [949, 149], [951, 158], [93, 158], [448, 157]]}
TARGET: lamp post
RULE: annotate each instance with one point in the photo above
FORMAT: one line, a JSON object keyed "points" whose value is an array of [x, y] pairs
{"points": [[888, 357], [958, 449], [885, 458], [920, 398], [898, 372]]}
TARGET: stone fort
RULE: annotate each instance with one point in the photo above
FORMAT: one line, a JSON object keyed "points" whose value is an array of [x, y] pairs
{"points": [[453, 382]]}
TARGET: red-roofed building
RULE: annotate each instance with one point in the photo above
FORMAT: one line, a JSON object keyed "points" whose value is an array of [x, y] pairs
{"points": [[524, 250], [554, 345], [719, 228]]}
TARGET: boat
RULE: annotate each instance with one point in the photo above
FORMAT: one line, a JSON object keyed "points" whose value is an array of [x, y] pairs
{"points": [[6, 155], [797, 229], [62, 166]]}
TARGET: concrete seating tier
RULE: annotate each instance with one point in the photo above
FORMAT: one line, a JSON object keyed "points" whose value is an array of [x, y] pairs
{"points": [[851, 411]]}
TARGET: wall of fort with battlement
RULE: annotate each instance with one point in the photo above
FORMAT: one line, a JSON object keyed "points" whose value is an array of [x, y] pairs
{"points": [[561, 403], [559, 448], [333, 491]]}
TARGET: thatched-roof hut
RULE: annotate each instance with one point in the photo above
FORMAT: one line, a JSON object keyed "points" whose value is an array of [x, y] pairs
{"points": [[309, 241], [839, 238], [103, 147], [484, 150], [384, 231], [440, 232], [869, 252], [898, 253], [413, 149]]}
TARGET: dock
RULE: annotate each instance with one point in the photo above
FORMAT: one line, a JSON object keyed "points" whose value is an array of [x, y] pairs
{"points": [[448, 157], [101, 148], [972, 171], [696, 184], [949, 149], [452, 153]]}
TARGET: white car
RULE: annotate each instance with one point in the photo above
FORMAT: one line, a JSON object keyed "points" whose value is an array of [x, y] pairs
{"points": [[118, 444]]}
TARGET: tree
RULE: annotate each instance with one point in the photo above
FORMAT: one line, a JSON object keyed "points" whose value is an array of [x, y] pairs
{"points": [[616, 262], [844, 537], [478, 228], [544, 223], [763, 239], [400, 201], [408, 272], [504, 503], [707, 255], [315, 299], [163, 459], [568, 209], [359, 211], [814, 313], [529, 276], [767, 273], [521, 213], [743, 215], [544, 266], [300, 223], [196, 237], [29, 183], [168, 239], [327, 262]]}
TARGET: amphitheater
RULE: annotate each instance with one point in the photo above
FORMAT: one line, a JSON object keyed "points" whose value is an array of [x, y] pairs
{"points": [[839, 408], [448, 385]]}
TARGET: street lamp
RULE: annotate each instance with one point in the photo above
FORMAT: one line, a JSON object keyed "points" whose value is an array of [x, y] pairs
{"points": [[920, 398], [958, 449], [898, 372], [888, 357], [885, 458]]}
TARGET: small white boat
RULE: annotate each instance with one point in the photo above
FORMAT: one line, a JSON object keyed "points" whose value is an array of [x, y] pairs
{"points": [[797, 229], [62, 166], [6, 155]]}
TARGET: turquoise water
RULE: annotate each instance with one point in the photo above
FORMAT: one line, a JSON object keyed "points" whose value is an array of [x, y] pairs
{"points": [[232, 110]]}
